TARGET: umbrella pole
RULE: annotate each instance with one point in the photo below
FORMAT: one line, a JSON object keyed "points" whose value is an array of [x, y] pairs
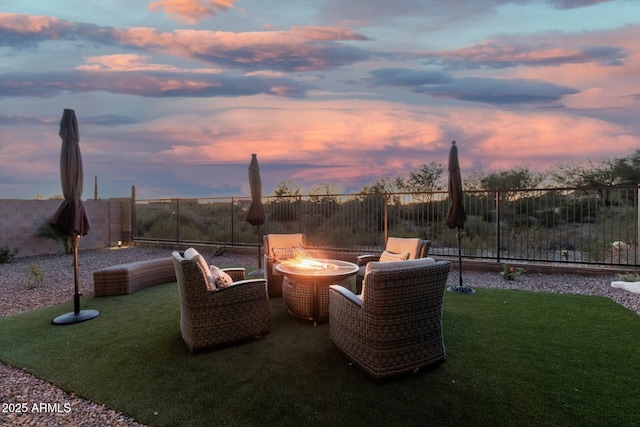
{"points": [[459, 236], [259, 271], [259, 249], [77, 315], [460, 289], [76, 279]]}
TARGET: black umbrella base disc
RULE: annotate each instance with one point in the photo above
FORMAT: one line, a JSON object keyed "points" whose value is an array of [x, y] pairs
{"points": [[256, 273], [70, 318], [461, 290]]}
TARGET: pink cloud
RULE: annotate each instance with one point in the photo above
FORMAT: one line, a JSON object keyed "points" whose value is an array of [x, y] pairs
{"points": [[25, 24], [191, 11], [134, 62], [298, 49], [327, 33]]}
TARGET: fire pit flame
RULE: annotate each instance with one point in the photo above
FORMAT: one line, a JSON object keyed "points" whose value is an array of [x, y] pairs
{"points": [[308, 264]]}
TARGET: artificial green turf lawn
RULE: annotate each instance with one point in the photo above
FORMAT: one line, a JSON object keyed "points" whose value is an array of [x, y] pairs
{"points": [[513, 358]]}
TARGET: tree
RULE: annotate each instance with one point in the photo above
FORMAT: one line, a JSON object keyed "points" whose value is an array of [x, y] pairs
{"points": [[519, 178], [384, 186], [322, 190], [323, 196], [427, 179], [287, 188], [285, 208], [381, 185], [627, 169], [607, 173], [585, 173]]}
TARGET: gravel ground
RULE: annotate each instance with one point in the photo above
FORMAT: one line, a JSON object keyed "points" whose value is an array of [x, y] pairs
{"points": [[21, 290]]}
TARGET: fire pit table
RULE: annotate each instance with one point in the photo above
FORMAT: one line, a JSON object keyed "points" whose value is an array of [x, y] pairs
{"points": [[305, 286]]}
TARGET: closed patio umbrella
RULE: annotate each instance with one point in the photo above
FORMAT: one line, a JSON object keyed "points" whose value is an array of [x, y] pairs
{"points": [[71, 217], [255, 215], [456, 215]]}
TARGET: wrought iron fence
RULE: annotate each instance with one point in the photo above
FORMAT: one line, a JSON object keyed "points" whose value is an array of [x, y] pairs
{"points": [[591, 226]]}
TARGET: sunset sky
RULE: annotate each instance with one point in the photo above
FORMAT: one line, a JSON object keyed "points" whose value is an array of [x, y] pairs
{"points": [[173, 96]]}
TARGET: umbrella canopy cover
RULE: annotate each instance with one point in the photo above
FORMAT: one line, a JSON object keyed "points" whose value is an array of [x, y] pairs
{"points": [[255, 215], [456, 214], [71, 216]]}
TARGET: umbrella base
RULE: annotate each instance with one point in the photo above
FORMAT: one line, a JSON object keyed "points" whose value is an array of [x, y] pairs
{"points": [[70, 318], [461, 290]]}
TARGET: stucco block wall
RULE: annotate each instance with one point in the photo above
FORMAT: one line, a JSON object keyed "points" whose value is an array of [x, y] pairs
{"points": [[20, 220]]}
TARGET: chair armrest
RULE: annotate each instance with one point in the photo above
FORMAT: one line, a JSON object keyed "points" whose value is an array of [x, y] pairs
{"points": [[249, 287], [347, 294], [244, 282], [260, 283], [364, 259], [236, 273]]}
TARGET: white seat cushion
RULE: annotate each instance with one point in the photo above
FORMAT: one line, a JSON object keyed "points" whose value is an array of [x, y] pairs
{"points": [[401, 245], [193, 255], [373, 265]]}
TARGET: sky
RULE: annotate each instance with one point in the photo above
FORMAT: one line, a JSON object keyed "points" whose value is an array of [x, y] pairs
{"points": [[173, 96]]}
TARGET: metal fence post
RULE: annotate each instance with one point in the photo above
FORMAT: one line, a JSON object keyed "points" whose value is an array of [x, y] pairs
{"points": [[134, 231], [178, 221], [233, 222], [386, 220], [498, 240], [299, 213]]}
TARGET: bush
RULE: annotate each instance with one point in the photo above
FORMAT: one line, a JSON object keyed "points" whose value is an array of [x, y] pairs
{"points": [[6, 254], [36, 276], [50, 232]]}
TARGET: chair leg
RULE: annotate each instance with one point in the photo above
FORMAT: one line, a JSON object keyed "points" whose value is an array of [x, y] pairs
{"points": [[358, 284]]}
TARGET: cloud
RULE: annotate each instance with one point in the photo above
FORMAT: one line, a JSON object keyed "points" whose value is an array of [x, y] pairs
{"points": [[288, 51], [501, 54], [406, 77], [134, 62], [327, 33], [499, 91], [574, 4], [433, 13], [7, 120], [27, 31], [299, 49], [191, 11], [146, 84]]}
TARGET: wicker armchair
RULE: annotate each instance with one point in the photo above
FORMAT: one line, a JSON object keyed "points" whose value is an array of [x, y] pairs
{"points": [[415, 247], [278, 241], [226, 315], [395, 325]]}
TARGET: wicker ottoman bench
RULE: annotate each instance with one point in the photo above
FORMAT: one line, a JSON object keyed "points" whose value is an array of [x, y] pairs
{"points": [[124, 279]]}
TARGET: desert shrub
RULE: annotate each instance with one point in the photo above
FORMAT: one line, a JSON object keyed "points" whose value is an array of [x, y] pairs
{"points": [[628, 277], [283, 211], [36, 276], [546, 218], [475, 226], [50, 232], [6, 254]]}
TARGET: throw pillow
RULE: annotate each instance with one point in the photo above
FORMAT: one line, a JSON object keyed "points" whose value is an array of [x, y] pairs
{"points": [[220, 278], [388, 256], [283, 254]]}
